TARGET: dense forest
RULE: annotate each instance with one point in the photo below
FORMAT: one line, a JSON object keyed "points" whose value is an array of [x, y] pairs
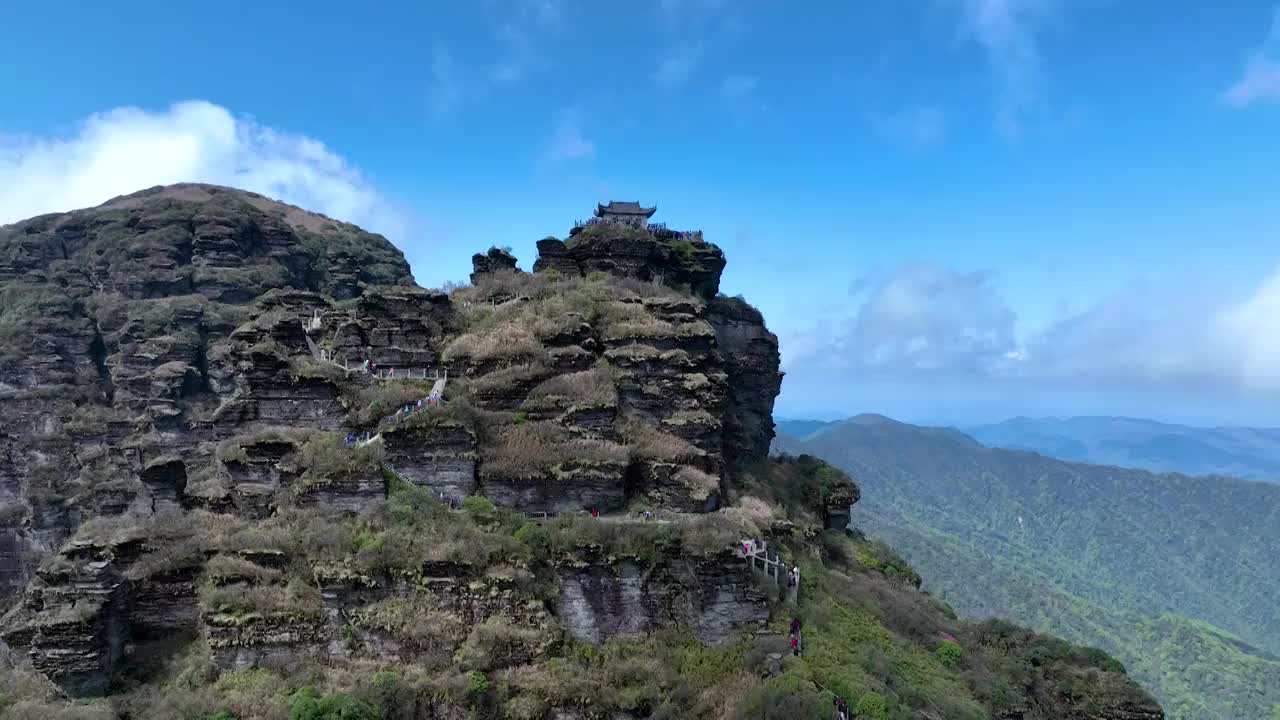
{"points": [[1171, 574]]}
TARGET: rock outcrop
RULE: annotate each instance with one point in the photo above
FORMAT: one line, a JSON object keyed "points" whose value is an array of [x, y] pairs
{"points": [[714, 598], [495, 260], [139, 332], [440, 457], [625, 251], [751, 363]]}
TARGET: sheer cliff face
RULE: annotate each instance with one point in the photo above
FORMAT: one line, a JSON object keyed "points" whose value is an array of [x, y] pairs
{"points": [[159, 358], [752, 359], [134, 334]]}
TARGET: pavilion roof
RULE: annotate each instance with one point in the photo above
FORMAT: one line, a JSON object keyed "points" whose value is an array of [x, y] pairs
{"points": [[624, 208]]}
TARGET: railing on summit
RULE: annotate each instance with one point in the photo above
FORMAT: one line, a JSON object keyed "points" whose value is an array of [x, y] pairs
{"points": [[313, 323], [411, 373], [756, 553]]}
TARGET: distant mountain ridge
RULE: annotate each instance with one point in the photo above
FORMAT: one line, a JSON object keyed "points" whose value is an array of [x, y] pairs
{"points": [[1172, 574], [801, 429], [1244, 452]]}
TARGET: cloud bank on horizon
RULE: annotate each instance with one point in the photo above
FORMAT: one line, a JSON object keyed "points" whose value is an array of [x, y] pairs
{"points": [[926, 320]]}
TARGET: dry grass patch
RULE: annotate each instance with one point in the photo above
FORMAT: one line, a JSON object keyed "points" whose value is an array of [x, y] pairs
{"points": [[757, 510], [530, 450], [631, 319], [242, 600], [224, 569], [415, 621], [648, 443], [633, 353], [589, 387], [701, 484], [695, 329], [696, 418], [508, 379], [499, 642], [508, 343]]}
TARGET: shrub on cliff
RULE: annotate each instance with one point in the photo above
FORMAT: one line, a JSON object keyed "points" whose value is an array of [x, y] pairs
{"points": [[309, 704], [369, 403], [23, 309], [498, 642], [327, 458], [804, 485], [297, 599]]}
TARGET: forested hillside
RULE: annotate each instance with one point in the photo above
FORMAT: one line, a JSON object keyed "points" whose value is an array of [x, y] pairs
{"points": [[1123, 559]]}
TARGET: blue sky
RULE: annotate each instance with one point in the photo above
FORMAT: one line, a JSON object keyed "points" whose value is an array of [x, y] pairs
{"points": [[949, 210]]}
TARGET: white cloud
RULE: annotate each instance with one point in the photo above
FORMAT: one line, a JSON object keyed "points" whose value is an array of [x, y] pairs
{"points": [[686, 11], [922, 317], [738, 86], [548, 13], [1007, 31], [1253, 332], [568, 142], [521, 35], [928, 320], [677, 66], [1261, 77], [741, 96], [1147, 333], [927, 317], [520, 56], [128, 149], [919, 126], [446, 86], [516, 62]]}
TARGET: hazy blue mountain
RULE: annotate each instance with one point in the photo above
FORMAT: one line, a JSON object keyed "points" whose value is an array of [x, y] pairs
{"points": [[1175, 575], [801, 429], [786, 443], [1250, 453]]}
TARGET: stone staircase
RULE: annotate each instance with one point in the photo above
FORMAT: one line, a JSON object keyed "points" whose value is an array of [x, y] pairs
{"points": [[314, 324]]}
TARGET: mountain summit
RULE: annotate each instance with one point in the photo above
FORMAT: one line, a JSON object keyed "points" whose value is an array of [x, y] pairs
{"points": [[250, 470]]}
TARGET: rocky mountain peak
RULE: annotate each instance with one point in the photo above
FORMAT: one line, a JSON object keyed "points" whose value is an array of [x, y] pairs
{"points": [[645, 253], [237, 433], [225, 244]]}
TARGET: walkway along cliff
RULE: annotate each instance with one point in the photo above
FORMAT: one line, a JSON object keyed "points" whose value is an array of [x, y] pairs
{"points": [[229, 424]]}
